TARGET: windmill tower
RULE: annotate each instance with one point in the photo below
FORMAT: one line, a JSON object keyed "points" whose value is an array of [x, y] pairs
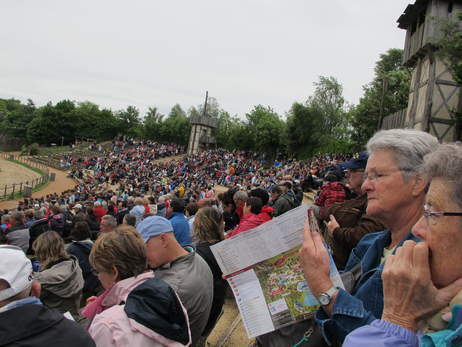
{"points": [[201, 137], [434, 97]]}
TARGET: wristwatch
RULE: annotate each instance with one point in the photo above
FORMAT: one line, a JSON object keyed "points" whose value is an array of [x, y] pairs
{"points": [[325, 298]]}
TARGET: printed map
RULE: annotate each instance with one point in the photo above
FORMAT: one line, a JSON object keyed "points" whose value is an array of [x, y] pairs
{"points": [[285, 288]]}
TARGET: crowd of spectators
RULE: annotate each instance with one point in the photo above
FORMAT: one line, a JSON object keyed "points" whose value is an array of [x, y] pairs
{"points": [[77, 239], [126, 253]]}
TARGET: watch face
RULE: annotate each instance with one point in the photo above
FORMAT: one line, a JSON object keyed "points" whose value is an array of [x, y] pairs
{"points": [[324, 299]]}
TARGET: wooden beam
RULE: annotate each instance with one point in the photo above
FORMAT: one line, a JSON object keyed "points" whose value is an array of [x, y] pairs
{"points": [[447, 83], [442, 121]]}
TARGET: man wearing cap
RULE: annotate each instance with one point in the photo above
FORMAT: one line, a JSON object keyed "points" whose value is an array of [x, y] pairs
{"points": [[182, 268], [24, 320], [347, 222]]}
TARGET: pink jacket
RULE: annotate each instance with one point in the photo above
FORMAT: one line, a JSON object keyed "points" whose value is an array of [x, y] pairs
{"points": [[112, 327]]}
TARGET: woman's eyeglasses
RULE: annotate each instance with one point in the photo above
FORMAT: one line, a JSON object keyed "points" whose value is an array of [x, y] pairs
{"points": [[428, 213]]}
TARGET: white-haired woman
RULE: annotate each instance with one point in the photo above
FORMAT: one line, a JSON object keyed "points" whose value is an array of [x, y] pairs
{"points": [[417, 285], [396, 193]]}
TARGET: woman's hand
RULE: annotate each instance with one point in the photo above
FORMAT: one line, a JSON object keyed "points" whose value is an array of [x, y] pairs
{"points": [[315, 262], [409, 293]]}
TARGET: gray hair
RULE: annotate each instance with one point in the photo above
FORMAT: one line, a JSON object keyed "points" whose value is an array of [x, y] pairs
{"points": [[18, 216], [446, 163], [110, 219], [240, 195], [409, 146]]}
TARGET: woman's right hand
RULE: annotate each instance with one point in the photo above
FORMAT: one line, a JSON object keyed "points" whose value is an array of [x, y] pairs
{"points": [[409, 293]]}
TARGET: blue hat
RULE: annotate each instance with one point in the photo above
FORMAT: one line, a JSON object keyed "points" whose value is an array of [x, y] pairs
{"points": [[153, 226], [356, 163]]}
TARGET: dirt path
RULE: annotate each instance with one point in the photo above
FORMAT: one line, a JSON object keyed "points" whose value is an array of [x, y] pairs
{"points": [[12, 173], [61, 183]]}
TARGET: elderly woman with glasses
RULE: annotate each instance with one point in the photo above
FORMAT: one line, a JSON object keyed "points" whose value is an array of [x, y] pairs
{"points": [[423, 281], [396, 193]]}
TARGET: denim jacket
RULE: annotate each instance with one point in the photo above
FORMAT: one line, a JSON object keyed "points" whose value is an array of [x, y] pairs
{"points": [[365, 303]]}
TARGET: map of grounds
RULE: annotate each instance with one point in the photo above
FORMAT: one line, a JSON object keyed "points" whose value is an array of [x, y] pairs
{"points": [[285, 288]]}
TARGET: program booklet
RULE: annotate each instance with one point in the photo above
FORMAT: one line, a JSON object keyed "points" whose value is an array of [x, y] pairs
{"points": [[262, 267]]}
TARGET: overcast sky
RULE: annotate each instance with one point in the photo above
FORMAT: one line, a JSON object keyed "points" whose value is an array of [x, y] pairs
{"points": [[158, 53]]}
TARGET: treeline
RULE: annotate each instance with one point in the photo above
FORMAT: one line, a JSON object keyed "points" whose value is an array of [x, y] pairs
{"points": [[324, 123]]}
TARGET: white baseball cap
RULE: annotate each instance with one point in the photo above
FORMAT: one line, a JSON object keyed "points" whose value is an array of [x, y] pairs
{"points": [[15, 269], [79, 206]]}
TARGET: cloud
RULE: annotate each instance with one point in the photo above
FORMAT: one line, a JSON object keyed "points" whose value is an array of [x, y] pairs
{"points": [[159, 53]]}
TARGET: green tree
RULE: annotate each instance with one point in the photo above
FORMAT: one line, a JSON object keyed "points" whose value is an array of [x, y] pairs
{"points": [[328, 99], [152, 124], [228, 131], [304, 130], [386, 94], [91, 122], [129, 122], [176, 127], [53, 124], [263, 130], [15, 116], [450, 46]]}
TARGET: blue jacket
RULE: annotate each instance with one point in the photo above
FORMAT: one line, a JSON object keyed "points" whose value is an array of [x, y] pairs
{"points": [[365, 303], [181, 228], [385, 334]]}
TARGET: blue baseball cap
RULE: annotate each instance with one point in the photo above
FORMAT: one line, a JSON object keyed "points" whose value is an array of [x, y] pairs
{"points": [[356, 163], [153, 226]]}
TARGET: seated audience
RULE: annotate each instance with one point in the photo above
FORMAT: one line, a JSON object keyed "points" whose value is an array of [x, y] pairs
{"points": [[240, 198], [266, 211], [332, 191], [138, 210], [129, 219], [60, 275], [108, 223], [5, 223], [80, 248], [250, 218], [281, 201], [181, 227], [56, 220], [182, 268], [24, 320], [137, 308], [18, 233], [347, 222], [99, 211]]}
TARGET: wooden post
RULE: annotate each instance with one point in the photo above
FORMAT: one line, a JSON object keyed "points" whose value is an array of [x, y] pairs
{"points": [[13, 188]]}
